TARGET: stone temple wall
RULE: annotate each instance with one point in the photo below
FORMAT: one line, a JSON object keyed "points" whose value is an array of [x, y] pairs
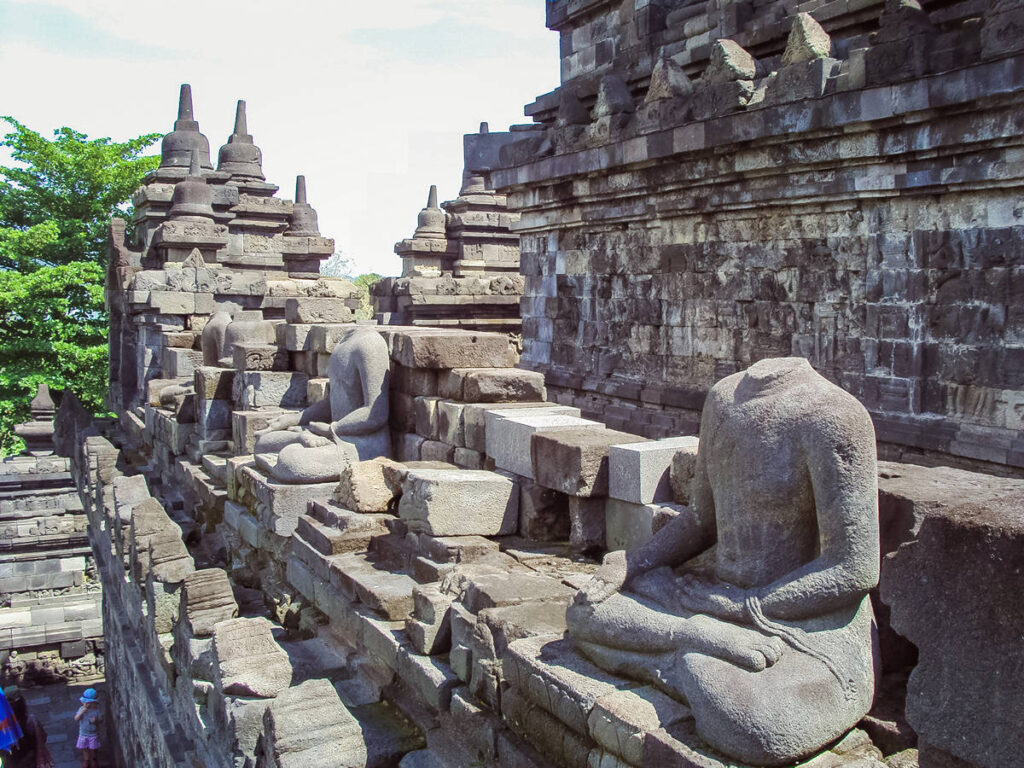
{"points": [[718, 182]]}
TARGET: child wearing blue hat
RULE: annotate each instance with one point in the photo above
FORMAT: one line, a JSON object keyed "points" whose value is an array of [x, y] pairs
{"points": [[89, 717]]}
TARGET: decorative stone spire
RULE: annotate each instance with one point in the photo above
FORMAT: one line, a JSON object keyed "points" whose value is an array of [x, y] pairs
{"points": [[303, 222], [240, 157], [192, 197], [38, 433], [178, 145], [431, 221], [42, 406]]}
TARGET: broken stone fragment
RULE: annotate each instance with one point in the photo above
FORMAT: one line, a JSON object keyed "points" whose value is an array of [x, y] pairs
{"points": [[729, 62], [459, 502], [668, 80], [575, 461], [207, 599], [249, 661], [807, 41], [366, 487], [613, 97]]}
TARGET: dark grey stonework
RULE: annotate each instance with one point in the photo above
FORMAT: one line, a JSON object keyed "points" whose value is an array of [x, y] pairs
{"points": [[873, 225]]}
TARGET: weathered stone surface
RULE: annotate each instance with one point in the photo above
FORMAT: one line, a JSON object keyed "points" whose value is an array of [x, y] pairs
{"points": [[668, 80], [954, 592], [207, 599], [493, 385], [249, 662], [629, 526], [782, 426], [440, 349], [729, 62], [508, 436], [575, 461], [308, 727], [459, 502], [475, 418], [640, 472], [684, 465], [366, 487], [807, 41], [543, 512], [313, 310]]}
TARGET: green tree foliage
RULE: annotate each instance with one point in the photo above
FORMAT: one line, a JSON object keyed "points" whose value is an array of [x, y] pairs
{"points": [[365, 284], [55, 203]]}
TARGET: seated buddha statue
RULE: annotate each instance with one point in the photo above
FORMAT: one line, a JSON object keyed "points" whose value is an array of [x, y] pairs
{"points": [[752, 605]]}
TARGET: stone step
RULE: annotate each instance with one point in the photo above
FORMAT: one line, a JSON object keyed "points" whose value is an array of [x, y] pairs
{"points": [[386, 592]]}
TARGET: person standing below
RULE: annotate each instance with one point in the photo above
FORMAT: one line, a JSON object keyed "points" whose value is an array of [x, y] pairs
{"points": [[31, 750], [88, 717]]}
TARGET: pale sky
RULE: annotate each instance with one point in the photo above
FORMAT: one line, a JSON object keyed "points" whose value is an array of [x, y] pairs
{"points": [[368, 99]]}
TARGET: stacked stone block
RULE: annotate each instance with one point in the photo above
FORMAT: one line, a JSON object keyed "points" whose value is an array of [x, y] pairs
{"points": [[718, 183], [50, 624], [460, 269]]}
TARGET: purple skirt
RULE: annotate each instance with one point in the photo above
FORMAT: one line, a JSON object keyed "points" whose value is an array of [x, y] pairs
{"points": [[88, 742]]}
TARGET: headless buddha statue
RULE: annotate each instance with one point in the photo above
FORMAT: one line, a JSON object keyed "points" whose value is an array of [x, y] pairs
{"points": [[752, 605], [350, 424]]}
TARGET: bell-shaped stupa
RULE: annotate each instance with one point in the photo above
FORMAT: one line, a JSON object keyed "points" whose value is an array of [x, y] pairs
{"points": [[178, 145], [193, 197], [240, 157], [303, 222], [430, 223]]}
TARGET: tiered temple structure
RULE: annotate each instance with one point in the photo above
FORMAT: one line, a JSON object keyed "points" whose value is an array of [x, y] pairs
{"points": [[460, 269], [755, 237]]}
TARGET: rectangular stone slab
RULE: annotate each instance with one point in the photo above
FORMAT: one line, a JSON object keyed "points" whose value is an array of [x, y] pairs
{"points": [[639, 472], [452, 349], [459, 502], [249, 661], [508, 436], [575, 461]]}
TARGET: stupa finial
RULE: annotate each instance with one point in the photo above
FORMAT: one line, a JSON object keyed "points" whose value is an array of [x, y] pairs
{"points": [[239, 156]]}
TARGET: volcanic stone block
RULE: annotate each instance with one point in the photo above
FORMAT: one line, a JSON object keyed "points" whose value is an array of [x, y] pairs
{"points": [[628, 525], [493, 385], [452, 349], [269, 389], [543, 512], [547, 671], [259, 357], [426, 417], [281, 504], [459, 502], [450, 427], [621, 721], [639, 472], [508, 436], [365, 486], [474, 418], [587, 522], [206, 599], [309, 727], [214, 383], [249, 661], [955, 592], [180, 363], [684, 464], [316, 310], [429, 628], [575, 461], [493, 590]]}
